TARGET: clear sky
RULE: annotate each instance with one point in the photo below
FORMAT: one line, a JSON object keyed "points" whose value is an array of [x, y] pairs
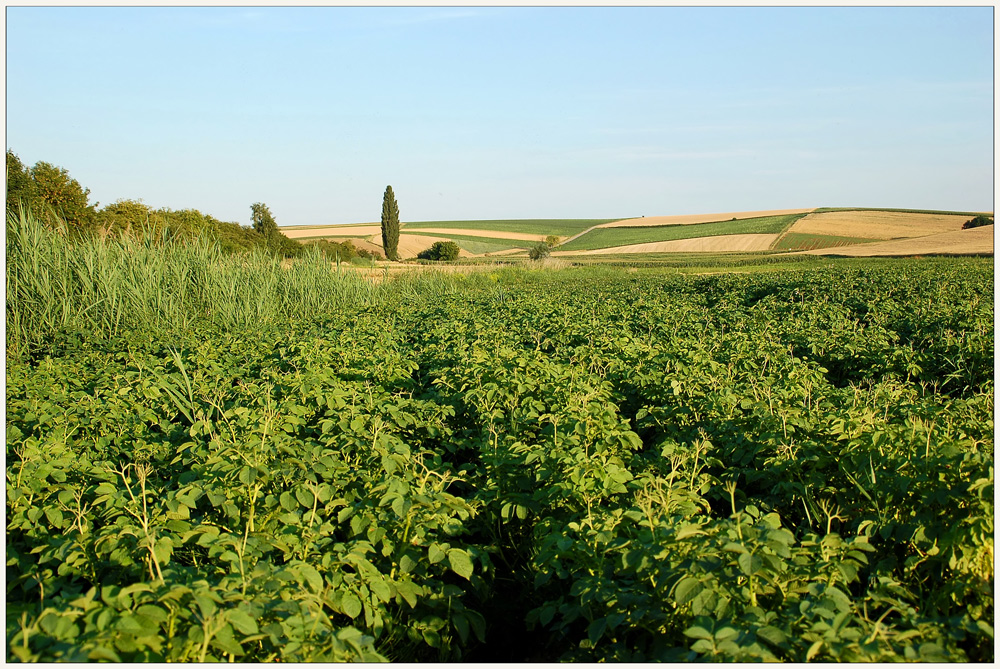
{"points": [[507, 112]]}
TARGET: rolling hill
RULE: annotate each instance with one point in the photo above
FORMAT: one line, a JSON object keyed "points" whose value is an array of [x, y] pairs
{"points": [[827, 231]]}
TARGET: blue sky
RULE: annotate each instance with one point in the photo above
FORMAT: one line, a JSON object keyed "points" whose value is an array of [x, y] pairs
{"points": [[507, 112]]}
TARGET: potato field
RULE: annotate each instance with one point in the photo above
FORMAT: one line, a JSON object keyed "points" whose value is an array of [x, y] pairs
{"points": [[586, 464]]}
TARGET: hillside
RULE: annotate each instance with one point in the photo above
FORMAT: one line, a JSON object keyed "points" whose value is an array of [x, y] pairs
{"points": [[845, 232]]}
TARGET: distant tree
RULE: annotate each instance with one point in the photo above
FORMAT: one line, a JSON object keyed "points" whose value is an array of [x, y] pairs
{"points": [[539, 251], [233, 237], [551, 241], [263, 221], [20, 186], [440, 251], [978, 221], [274, 239], [390, 224], [60, 194], [124, 216]]}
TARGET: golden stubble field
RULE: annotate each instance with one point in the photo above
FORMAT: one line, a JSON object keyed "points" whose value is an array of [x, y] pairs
{"points": [[957, 242], [877, 224]]}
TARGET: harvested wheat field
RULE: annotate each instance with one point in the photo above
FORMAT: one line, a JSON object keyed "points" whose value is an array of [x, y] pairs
{"points": [[717, 244], [877, 224], [691, 219], [337, 231], [410, 245], [362, 243], [975, 240]]}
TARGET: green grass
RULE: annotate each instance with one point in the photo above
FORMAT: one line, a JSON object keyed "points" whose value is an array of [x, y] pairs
{"points": [[798, 241], [555, 226], [603, 238], [109, 285]]}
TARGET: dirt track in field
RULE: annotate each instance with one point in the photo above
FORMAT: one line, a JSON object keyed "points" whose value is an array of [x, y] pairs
{"points": [[691, 219], [877, 224], [718, 244], [976, 240]]}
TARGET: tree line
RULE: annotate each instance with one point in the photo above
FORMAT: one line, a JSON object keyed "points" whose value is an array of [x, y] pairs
{"points": [[61, 202]]}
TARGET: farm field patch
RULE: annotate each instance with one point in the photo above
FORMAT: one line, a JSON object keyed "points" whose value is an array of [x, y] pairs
{"points": [[712, 244], [410, 245], [332, 231], [471, 232], [606, 238], [796, 241], [877, 224], [959, 242], [480, 244], [543, 227], [691, 219], [587, 464]]}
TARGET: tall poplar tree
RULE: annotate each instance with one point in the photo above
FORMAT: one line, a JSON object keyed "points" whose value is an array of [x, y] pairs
{"points": [[390, 225]]}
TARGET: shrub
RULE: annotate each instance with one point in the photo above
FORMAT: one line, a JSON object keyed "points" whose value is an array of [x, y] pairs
{"points": [[539, 251], [331, 250], [978, 221], [370, 255], [440, 251]]}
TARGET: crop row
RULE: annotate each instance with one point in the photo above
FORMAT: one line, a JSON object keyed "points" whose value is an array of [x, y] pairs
{"points": [[583, 465]]}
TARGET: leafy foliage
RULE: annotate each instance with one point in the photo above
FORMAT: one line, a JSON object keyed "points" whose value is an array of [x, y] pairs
{"points": [[539, 251], [440, 251], [586, 465], [978, 221]]}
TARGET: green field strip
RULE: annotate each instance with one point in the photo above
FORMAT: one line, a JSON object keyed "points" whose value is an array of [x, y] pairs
{"points": [[799, 241], [603, 238], [540, 226]]}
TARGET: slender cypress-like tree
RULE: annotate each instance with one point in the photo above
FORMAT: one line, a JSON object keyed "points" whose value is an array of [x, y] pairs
{"points": [[390, 225]]}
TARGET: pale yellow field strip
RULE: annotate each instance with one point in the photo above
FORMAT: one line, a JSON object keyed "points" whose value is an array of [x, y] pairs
{"points": [[976, 240], [877, 224], [285, 228], [690, 219], [718, 244], [361, 243], [332, 230], [498, 234], [410, 245]]}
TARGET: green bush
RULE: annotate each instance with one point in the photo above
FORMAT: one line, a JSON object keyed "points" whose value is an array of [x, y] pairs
{"points": [[978, 221], [539, 251], [440, 251]]}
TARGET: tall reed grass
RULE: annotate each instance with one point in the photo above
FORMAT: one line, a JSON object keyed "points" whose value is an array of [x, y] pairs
{"points": [[153, 282]]}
